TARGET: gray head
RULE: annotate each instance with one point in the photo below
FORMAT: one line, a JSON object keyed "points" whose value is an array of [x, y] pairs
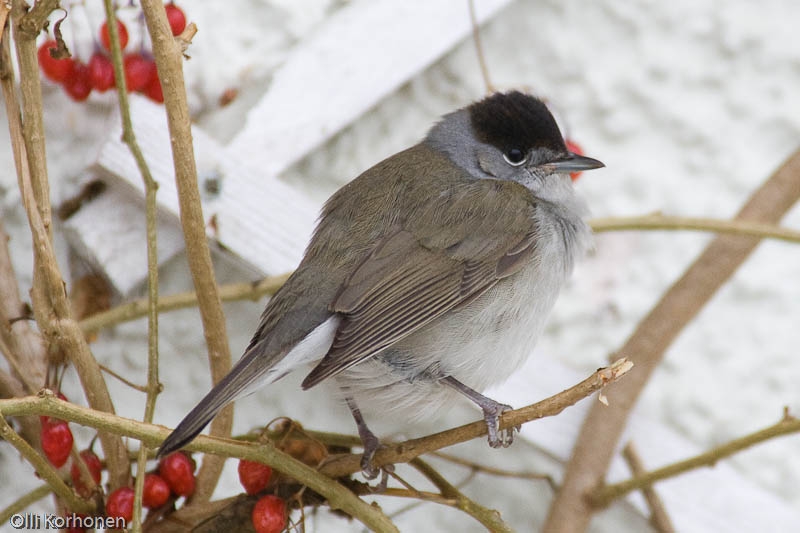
{"points": [[507, 136]]}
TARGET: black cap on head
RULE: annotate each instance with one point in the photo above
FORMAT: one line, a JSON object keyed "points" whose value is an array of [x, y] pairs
{"points": [[515, 120]]}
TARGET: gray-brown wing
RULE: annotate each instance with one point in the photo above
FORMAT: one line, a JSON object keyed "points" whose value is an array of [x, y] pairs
{"points": [[402, 286]]}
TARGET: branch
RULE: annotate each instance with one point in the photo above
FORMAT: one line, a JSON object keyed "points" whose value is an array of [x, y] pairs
{"points": [[26, 28], [659, 518], [661, 222], [597, 441], [138, 308], [152, 435], [404, 452], [150, 187], [604, 495], [489, 518], [169, 60]]}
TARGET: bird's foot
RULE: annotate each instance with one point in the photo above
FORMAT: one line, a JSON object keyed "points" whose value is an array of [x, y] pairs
{"points": [[369, 470], [492, 411]]}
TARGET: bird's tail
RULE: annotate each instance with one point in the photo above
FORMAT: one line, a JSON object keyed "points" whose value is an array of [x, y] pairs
{"points": [[243, 379]]}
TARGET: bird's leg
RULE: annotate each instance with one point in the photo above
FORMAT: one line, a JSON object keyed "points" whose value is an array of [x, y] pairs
{"points": [[371, 445], [491, 413]]}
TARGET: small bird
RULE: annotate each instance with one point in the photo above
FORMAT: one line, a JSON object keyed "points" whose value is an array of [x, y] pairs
{"points": [[429, 276]]}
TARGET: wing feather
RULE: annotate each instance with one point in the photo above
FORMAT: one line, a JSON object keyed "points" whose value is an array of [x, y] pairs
{"points": [[402, 286]]}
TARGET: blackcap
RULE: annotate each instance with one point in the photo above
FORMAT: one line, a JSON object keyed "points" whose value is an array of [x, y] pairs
{"points": [[429, 277]]}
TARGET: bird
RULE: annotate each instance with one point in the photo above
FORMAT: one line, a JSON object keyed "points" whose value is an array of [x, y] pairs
{"points": [[429, 276]]}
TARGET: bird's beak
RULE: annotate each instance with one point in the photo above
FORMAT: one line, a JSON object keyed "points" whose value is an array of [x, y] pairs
{"points": [[574, 163]]}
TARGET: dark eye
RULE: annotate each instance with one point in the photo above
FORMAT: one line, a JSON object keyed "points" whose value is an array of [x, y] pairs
{"points": [[514, 157]]}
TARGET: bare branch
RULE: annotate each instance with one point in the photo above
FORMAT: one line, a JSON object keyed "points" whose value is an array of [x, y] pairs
{"points": [[608, 493]]}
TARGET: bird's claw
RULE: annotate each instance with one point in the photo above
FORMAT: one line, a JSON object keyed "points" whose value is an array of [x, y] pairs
{"points": [[370, 471], [498, 438]]}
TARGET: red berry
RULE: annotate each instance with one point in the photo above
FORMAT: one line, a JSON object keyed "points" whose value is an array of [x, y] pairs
{"points": [[56, 441], [178, 471], [95, 469], [78, 86], [56, 70], [138, 72], [176, 18], [156, 491], [105, 38], [253, 476], [153, 90], [575, 148], [101, 72], [269, 515], [120, 504]]}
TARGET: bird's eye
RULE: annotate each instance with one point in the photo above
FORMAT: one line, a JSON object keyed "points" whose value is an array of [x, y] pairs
{"points": [[515, 157]]}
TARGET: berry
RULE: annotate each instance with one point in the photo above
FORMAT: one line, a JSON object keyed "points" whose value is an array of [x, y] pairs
{"points": [[120, 504], [138, 72], [101, 72], [253, 476], [105, 38], [575, 148], [156, 491], [56, 70], [78, 86], [153, 90], [95, 469], [269, 515], [176, 18], [178, 471], [56, 441]]}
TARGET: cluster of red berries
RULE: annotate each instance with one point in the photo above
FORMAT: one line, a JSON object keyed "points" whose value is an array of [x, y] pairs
{"points": [[175, 477], [80, 79], [269, 512]]}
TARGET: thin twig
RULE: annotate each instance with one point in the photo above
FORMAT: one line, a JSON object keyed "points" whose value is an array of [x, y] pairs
{"points": [[662, 222], [138, 308], [127, 382], [489, 518], [602, 428], [151, 188], [476, 38], [659, 518], [169, 60], [406, 451], [493, 471], [608, 493]]}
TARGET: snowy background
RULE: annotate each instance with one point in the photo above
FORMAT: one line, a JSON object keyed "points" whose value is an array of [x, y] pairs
{"points": [[690, 104]]}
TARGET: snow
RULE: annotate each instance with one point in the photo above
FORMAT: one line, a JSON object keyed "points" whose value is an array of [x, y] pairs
{"points": [[691, 105]]}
